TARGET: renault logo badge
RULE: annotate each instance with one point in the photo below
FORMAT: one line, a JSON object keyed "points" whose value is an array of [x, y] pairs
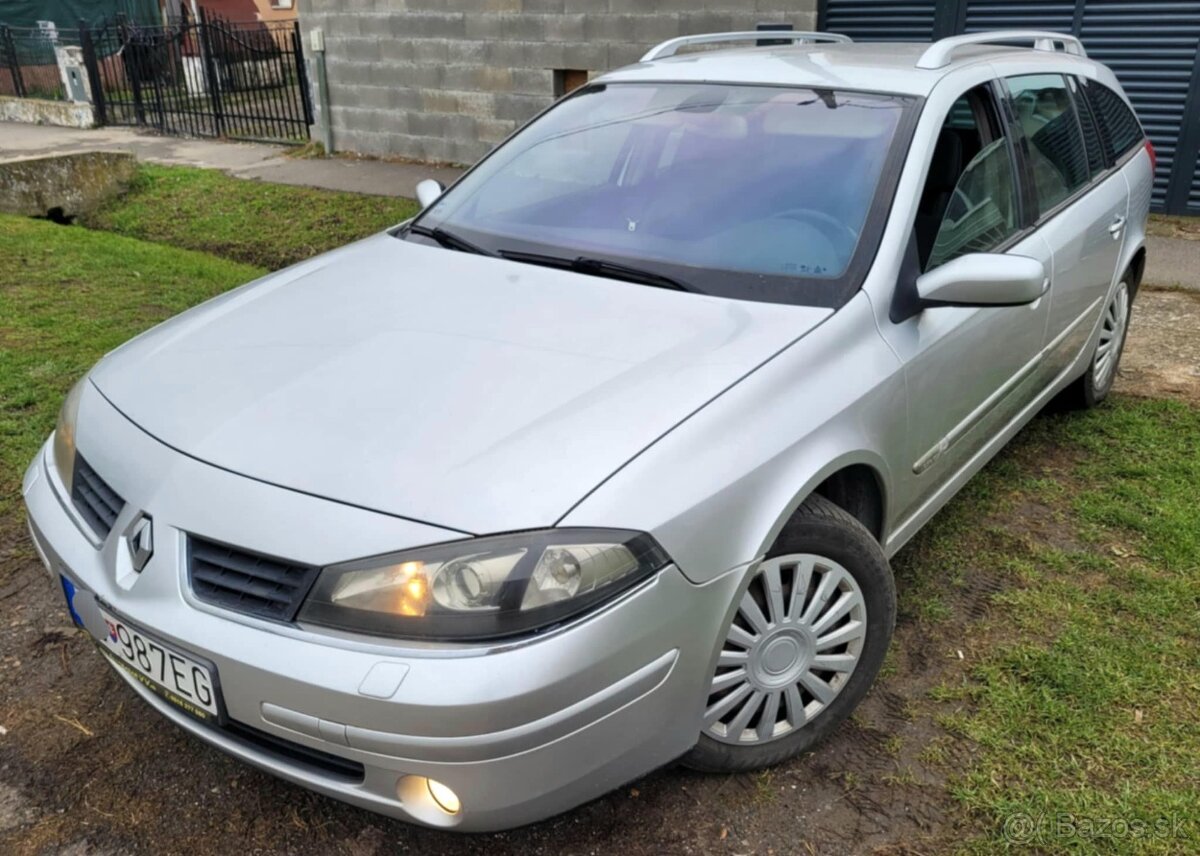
{"points": [[140, 540]]}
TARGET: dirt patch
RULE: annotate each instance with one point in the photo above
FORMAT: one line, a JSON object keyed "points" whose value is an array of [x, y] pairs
{"points": [[1162, 355], [87, 768], [1166, 226], [95, 765]]}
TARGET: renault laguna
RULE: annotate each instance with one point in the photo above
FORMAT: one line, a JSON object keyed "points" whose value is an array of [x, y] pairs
{"points": [[598, 462]]}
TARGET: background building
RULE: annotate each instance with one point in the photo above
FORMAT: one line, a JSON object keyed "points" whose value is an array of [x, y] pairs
{"points": [[445, 80], [243, 11]]}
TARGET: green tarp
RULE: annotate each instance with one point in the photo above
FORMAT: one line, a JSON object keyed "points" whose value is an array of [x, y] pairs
{"points": [[66, 14]]}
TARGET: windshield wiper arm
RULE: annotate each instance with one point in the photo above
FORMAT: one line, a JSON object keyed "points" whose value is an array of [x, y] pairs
{"points": [[450, 241], [597, 267], [615, 270]]}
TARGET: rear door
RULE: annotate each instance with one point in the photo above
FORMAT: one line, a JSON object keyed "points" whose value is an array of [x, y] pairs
{"points": [[1123, 144], [1081, 206]]}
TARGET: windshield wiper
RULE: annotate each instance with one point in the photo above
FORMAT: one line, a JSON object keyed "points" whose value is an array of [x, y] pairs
{"points": [[597, 267], [450, 241]]}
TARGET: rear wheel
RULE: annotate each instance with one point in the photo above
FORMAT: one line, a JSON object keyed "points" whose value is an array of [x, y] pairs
{"points": [[805, 644], [1095, 384]]}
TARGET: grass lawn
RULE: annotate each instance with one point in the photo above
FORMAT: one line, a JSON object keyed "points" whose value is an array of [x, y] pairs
{"points": [[1075, 700], [1080, 696], [67, 297], [270, 225]]}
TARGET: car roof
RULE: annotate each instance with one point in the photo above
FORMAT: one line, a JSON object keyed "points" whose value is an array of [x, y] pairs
{"points": [[870, 66]]}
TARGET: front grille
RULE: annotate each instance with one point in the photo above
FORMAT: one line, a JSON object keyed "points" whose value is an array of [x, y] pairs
{"points": [[96, 502], [315, 760], [246, 582]]}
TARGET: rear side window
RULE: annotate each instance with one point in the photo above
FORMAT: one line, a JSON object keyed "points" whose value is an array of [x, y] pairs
{"points": [[1057, 152], [1119, 128]]}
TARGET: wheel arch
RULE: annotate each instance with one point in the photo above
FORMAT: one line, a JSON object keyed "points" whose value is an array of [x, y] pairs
{"points": [[858, 490], [1137, 267], [854, 481]]}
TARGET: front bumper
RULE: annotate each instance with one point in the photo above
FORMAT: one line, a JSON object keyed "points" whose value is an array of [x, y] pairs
{"points": [[520, 731]]}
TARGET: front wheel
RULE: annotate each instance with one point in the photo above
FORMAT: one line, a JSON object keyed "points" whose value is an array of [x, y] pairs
{"points": [[806, 642]]}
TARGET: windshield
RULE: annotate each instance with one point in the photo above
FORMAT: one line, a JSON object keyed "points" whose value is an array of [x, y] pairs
{"points": [[745, 191]]}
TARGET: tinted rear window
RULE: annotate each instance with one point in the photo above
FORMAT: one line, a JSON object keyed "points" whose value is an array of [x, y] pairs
{"points": [[1096, 155], [1118, 126]]}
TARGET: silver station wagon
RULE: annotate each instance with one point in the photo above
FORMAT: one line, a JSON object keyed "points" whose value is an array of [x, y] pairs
{"points": [[597, 463]]}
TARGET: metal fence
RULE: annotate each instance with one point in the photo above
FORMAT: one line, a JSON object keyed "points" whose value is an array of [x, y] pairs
{"points": [[28, 64], [206, 77]]}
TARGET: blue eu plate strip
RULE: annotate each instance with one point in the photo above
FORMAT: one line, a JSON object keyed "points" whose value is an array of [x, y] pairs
{"points": [[69, 591]]}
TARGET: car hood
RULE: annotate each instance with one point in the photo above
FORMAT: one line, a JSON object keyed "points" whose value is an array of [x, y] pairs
{"points": [[470, 392]]}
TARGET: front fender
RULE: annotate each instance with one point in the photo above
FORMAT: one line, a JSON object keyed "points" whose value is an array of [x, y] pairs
{"points": [[717, 489]]}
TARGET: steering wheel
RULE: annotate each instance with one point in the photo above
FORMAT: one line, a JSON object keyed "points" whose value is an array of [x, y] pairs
{"points": [[838, 233]]}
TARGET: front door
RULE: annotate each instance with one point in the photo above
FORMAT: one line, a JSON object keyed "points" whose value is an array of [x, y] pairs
{"points": [[967, 369]]}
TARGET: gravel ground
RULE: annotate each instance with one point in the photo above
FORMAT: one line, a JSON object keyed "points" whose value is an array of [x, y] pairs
{"points": [[87, 769]]}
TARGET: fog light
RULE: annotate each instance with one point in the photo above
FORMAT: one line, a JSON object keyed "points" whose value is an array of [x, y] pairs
{"points": [[429, 801], [446, 799]]}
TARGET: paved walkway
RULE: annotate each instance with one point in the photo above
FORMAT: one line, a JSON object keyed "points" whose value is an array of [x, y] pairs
{"points": [[244, 160], [1171, 261]]}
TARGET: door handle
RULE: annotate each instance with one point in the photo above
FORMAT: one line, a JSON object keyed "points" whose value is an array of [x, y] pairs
{"points": [[1117, 225]]}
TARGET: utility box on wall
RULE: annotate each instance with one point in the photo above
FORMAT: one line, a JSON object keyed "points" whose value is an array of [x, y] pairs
{"points": [[73, 73]]}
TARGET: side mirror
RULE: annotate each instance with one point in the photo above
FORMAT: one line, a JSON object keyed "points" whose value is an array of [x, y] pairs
{"points": [[428, 191], [984, 279]]}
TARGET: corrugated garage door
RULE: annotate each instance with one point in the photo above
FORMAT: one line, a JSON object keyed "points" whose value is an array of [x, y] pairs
{"points": [[1152, 48], [1150, 44], [881, 20], [1000, 15]]}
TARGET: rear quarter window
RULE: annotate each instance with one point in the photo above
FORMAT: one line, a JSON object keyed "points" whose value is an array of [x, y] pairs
{"points": [[1119, 127]]}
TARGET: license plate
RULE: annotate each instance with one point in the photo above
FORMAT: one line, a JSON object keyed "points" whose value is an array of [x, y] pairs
{"points": [[181, 679]]}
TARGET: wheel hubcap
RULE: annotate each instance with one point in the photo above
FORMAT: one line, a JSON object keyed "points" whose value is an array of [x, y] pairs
{"points": [[1112, 336], [793, 644]]}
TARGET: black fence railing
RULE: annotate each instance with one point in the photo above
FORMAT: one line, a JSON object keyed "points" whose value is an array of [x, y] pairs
{"points": [[28, 64], [205, 78]]}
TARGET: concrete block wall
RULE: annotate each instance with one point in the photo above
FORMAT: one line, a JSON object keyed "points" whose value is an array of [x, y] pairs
{"points": [[445, 80]]}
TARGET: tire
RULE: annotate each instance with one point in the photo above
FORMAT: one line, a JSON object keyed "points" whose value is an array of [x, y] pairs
{"points": [[1094, 385], [779, 655]]}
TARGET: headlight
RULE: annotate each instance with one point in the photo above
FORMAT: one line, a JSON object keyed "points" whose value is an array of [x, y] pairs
{"points": [[485, 587], [64, 435]]}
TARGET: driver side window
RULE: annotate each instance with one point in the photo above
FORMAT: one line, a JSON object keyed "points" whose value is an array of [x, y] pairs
{"points": [[969, 204]]}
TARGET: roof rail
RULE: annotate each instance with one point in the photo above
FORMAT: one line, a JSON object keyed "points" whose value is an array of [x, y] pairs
{"points": [[939, 53], [671, 46]]}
